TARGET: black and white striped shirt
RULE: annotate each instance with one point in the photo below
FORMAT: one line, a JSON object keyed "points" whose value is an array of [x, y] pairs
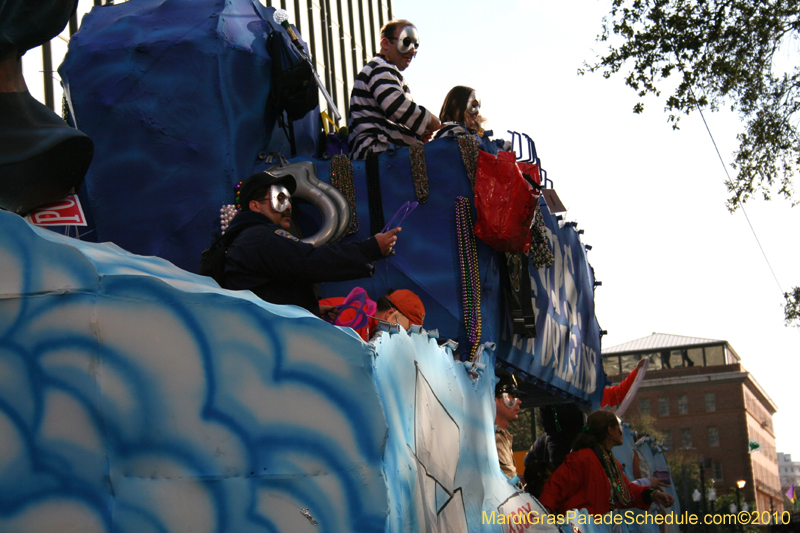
{"points": [[451, 129], [382, 111]]}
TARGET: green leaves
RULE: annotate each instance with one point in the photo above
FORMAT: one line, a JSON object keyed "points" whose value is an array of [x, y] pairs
{"points": [[791, 308], [724, 51]]}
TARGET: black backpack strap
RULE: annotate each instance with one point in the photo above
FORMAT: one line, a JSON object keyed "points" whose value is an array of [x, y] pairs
{"points": [[374, 197]]}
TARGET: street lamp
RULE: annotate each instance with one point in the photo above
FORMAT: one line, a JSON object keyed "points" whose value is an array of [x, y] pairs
{"points": [[696, 497], [711, 495], [739, 486]]}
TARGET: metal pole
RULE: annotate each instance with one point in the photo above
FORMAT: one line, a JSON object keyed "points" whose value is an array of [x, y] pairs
{"points": [[703, 493], [738, 504], [686, 498]]}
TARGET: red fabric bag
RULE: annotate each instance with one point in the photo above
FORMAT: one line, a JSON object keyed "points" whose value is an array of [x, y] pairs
{"points": [[505, 203], [532, 170]]}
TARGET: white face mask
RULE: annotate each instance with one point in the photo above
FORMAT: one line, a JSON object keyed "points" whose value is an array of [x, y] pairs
{"points": [[473, 104], [408, 40], [279, 198], [509, 400]]}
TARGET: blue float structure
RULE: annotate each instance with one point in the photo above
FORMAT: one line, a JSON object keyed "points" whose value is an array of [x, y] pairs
{"points": [[138, 396]]}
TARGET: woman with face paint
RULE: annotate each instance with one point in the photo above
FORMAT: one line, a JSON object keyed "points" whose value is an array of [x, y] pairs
{"points": [[591, 478], [460, 113]]}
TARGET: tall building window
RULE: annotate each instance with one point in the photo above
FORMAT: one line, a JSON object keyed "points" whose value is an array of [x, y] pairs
{"points": [[644, 406], [683, 404], [713, 436], [676, 359], [717, 470], [611, 365], [663, 406], [686, 438], [694, 356], [715, 356], [668, 439], [711, 402]]}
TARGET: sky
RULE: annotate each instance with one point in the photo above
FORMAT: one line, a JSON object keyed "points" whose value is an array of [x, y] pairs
{"points": [[651, 201], [671, 258]]}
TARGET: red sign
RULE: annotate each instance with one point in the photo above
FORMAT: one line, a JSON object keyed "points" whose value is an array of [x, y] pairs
{"points": [[66, 212]]}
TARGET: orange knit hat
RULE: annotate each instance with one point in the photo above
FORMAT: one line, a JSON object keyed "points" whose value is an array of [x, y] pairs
{"points": [[409, 304]]}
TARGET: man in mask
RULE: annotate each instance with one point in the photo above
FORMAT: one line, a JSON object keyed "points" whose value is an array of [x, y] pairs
{"points": [[268, 260], [382, 111], [507, 403]]}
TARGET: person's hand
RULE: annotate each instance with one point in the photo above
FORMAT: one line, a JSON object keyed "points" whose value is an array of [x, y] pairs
{"points": [[328, 312], [663, 498], [387, 240], [434, 124], [656, 483], [641, 363]]}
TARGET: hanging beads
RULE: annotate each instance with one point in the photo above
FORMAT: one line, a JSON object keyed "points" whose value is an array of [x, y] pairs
{"points": [[468, 145], [341, 173], [419, 171], [226, 214], [470, 274]]}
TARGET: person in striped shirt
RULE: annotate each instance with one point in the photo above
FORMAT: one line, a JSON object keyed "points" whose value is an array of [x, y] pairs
{"points": [[382, 111]]}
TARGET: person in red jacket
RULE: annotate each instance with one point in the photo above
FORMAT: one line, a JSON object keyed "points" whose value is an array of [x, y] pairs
{"points": [[591, 478], [616, 393]]}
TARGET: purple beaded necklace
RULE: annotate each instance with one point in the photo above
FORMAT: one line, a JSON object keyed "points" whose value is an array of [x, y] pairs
{"points": [[470, 273]]}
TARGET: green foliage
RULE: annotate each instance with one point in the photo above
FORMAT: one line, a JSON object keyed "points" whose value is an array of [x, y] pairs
{"points": [[645, 425], [791, 308], [521, 429], [721, 53]]}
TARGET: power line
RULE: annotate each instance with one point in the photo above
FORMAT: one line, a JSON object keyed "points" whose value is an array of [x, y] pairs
{"points": [[725, 167]]}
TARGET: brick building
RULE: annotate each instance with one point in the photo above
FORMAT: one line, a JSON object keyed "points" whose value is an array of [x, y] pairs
{"points": [[705, 401]]}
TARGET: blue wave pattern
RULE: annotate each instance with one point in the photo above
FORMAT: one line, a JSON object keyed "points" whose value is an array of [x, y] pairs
{"points": [[135, 397]]}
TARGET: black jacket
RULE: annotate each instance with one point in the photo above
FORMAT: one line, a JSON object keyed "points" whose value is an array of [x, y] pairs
{"points": [[279, 269]]}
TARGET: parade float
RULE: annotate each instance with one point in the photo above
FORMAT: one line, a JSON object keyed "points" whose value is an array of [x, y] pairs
{"points": [[139, 396]]}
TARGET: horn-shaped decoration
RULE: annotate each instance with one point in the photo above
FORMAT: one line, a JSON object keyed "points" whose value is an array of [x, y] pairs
{"points": [[333, 205]]}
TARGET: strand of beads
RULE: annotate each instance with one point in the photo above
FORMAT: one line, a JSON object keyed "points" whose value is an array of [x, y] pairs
{"points": [[226, 214], [341, 172], [470, 274], [419, 171], [468, 145], [374, 197], [619, 490], [237, 191]]}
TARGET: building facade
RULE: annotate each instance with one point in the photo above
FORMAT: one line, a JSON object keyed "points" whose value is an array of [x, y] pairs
{"points": [[703, 400], [789, 471]]}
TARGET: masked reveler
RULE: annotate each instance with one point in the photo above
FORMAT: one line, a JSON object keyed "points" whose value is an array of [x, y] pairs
{"points": [[507, 406], [460, 114], [382, 111], [268, 260], [591, 478]]}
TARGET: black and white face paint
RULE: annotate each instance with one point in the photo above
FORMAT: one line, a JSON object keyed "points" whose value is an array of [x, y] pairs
{"points": [[279, 198], [509, 400], [473, 104], [408, 40]]}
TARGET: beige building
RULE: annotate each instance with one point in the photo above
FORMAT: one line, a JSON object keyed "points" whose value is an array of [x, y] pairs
{"points": [[705, 401]]}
